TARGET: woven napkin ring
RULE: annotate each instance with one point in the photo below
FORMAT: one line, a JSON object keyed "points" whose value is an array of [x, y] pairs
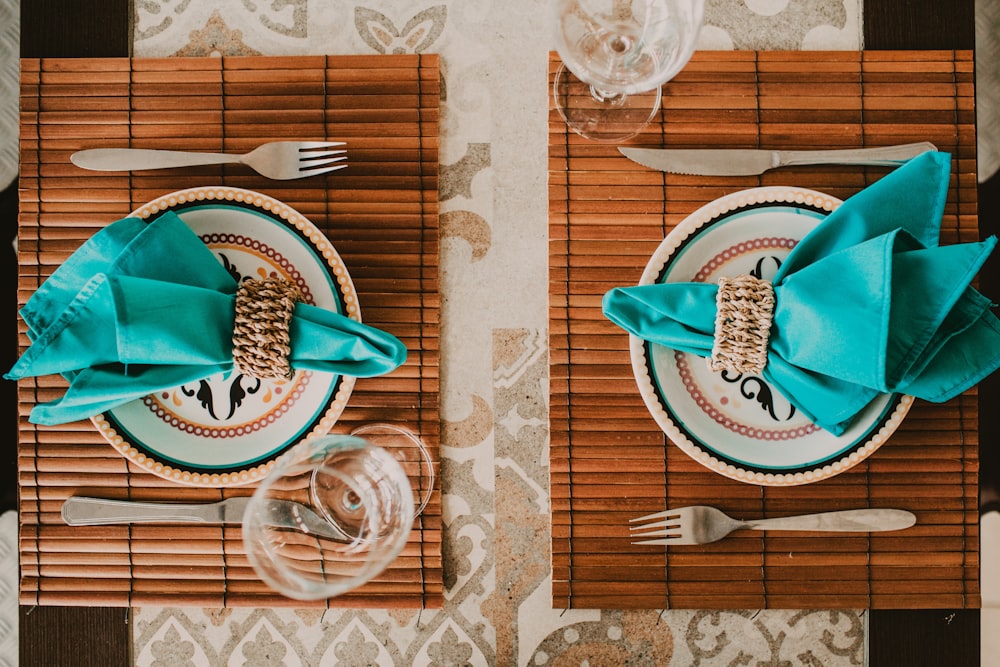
{"points": [[744, 308], [261, 339]]}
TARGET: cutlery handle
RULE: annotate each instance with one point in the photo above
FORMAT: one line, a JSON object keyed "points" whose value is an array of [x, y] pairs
{"points": [[844, 521], [881, 156], [81, 511], [128, 159]]}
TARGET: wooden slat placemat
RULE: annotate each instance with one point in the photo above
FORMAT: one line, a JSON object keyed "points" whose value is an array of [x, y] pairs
{"points": [[609, 460], [380, 214]]}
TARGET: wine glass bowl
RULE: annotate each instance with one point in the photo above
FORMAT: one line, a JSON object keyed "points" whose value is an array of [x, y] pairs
{"points": [[616, 55], [353, 515]]}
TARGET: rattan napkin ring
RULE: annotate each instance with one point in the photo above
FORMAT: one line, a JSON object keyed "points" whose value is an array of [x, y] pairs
{"points": [[744, 310], [261, 338]]}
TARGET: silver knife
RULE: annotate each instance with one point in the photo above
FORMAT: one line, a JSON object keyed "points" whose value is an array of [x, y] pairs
{"points": [[83, 511], [750, 162]]}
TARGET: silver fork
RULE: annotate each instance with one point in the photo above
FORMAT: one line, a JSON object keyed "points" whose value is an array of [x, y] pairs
{"points": [[280, 160], [700, 524]]}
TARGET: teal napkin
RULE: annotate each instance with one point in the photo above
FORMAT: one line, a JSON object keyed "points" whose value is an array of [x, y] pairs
{"points": [[144, 307], [867, 303]]}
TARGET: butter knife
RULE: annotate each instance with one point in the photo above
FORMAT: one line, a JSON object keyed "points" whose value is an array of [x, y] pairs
{"points": [[84, 511], [750, 162]]}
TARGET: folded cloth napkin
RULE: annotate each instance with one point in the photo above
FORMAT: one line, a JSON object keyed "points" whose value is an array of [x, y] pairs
{"points": [[144, 307], [866, 303]]}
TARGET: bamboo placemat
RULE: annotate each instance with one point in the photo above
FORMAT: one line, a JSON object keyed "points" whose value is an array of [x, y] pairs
{"points": [[380, 214], [609, 460]]}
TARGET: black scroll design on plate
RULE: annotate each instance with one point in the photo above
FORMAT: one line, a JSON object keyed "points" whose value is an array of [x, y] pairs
{"points": [[753, 387], [233, 394], [231, 268], [758, 270]]}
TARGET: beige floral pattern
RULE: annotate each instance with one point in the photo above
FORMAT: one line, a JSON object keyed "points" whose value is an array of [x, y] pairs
{"points": [[172, 650], [357, 650], [419, 33], [215, 39]]}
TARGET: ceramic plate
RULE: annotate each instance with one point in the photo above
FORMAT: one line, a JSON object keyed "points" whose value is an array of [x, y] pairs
{"points": [[227, 429], [738, 425]]}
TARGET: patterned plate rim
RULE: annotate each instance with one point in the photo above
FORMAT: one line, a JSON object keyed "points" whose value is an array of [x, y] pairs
{"points": [[345, 384], [693, 223]]}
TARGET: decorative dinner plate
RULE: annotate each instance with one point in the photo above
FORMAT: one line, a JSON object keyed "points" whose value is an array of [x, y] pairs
{"points": [[228, 429], [737, 424]]}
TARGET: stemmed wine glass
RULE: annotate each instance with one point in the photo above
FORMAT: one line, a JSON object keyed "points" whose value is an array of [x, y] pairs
{"points": [[616, 54], [353, 502]]}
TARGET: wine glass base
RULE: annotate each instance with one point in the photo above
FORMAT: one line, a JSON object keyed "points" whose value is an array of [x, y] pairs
{"points": [[411, 453], [602, 118]]}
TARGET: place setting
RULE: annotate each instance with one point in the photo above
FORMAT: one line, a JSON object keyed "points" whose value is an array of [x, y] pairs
{"points": [[763, 317], [192, 335], [259, 383]]}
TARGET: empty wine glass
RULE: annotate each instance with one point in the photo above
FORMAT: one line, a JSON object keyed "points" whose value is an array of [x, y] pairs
{"points": [[336, 510], [616, 54]]}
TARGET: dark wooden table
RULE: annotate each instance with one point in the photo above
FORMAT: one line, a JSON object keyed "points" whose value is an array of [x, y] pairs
{"points": [[81, 637]]}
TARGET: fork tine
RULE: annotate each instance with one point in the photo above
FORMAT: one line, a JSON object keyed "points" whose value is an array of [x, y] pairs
{"points": [[656, 515], [315, 155], [321, 170], [307, 145], [670, 539], [320, 162], [667, 535], [666, 523]]}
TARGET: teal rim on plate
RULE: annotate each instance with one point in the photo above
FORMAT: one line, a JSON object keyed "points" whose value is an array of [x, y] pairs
{"points": [[228, 429], [738, 425]]}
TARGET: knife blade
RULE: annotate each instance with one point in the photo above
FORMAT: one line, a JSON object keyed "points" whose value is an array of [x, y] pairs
{"points": [[84, 511], [751, 162]]}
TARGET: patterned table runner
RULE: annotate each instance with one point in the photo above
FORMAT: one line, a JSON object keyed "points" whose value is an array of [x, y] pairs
{"points": [[609, 460], [380, 214]]}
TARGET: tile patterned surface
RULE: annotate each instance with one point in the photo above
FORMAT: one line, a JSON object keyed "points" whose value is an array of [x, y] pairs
{"points": [[10, 28], [988, 87], [8, 589], [494, 366], [989, 622]]}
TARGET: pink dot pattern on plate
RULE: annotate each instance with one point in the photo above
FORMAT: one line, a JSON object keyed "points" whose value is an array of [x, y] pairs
{"points": [[267, 251], [705, 403], [742, 248]]}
